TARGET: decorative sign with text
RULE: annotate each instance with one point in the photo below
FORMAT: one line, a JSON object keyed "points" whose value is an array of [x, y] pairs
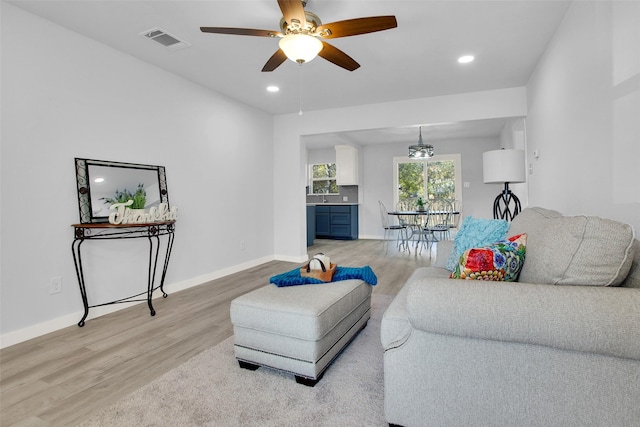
{"points": [[125, 215]]}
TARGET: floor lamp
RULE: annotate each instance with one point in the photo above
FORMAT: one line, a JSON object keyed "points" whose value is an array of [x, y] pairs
{"points": [[504, 166]]}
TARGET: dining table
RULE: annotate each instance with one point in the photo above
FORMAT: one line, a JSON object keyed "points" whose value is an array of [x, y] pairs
{"points": [[418, 227]]}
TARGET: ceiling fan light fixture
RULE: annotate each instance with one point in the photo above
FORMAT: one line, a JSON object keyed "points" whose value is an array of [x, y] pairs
{"points": [[302, 35], [420, 150], [300, 48]]}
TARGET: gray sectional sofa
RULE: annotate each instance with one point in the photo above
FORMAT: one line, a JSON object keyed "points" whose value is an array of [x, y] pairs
{"points": [[528, 353]]}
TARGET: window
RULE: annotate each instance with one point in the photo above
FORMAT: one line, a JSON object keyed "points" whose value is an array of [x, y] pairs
{"points": [[441, 173], [323, 179]]}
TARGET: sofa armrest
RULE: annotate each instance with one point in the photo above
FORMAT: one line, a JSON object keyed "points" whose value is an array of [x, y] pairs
{"points": [[395, 324], [591, 319]]}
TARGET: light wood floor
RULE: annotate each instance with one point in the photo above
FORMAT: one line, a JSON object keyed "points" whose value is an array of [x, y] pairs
{"points": [[62, 378]]}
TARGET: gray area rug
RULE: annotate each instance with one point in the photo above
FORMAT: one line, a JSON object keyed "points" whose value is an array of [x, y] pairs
{"points": [[211, 390]]}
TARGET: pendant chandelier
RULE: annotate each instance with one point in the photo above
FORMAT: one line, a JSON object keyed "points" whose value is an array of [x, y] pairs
{"points": [[420, 150]]}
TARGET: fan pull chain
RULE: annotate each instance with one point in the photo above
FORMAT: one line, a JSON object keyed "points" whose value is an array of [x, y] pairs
{"points": [[300, 88]]}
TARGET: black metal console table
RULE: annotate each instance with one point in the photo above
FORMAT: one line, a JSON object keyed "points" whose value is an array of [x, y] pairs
{"points": [[105, 231]]}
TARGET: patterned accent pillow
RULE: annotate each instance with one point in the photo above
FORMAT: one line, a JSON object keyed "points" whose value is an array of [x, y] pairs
{"points": [[475, 233], [501, 261]]}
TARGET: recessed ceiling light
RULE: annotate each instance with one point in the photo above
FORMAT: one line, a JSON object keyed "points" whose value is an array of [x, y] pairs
{"points": [[466, 59], [273, 88]]}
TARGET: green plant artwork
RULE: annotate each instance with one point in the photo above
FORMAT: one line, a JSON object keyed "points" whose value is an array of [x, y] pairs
{"points": [[139, 197]]}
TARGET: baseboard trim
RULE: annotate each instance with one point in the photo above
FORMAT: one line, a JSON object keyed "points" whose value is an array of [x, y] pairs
{"points": [[370, 237], [72, 319], [289, 258]]}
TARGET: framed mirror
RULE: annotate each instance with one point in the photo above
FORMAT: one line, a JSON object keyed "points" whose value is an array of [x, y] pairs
{"points": [[99, 182]]}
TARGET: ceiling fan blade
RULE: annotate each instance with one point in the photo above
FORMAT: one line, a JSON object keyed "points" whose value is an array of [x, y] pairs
{"points": [[338, 57], [241, 31], [275, 61], [353, 27], [293, 10]]}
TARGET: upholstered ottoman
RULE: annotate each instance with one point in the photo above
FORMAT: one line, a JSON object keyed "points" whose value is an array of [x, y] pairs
{"points": [[299, 329]]}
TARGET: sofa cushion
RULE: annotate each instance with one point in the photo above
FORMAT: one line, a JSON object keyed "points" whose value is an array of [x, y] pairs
{"points": [[633, 278], [574, 250], [500, 261], [475, 232]]}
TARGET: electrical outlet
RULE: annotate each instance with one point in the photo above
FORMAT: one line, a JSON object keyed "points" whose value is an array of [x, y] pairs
{"points": [[242, 245], [55, 285]]}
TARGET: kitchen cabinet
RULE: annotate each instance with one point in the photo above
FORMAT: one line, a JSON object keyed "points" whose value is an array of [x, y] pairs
{"points": [[346, 165], [337, 222], [311, 224], [323, 221]]}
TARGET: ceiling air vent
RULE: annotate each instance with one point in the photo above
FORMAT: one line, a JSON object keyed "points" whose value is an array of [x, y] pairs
{"points": [[167, 40]]}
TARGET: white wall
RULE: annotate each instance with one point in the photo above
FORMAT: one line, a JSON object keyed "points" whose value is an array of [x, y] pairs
{"points": [[514, 135], [325, 155], [584, 114], [290, 154], [66, 96]]}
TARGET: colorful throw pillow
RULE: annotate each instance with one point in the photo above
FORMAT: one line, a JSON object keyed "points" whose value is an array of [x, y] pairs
{"points": [[501, 261], [474, 233]]}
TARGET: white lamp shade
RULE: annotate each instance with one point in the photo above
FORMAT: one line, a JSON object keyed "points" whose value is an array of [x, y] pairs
{"points": [[503, 166], [300, 48]]}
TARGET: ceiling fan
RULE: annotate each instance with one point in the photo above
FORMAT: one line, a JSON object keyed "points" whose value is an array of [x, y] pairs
{"points": [[302, 35]]}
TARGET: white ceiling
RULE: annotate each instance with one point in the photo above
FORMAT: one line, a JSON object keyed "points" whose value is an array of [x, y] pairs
{"points": [[415, 60], [409, 134]]}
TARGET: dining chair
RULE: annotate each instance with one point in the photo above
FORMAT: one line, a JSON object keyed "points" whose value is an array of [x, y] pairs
{"points": [[439, 220], [415, 223], [456, 214], [409, 221], [388, 228]]}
